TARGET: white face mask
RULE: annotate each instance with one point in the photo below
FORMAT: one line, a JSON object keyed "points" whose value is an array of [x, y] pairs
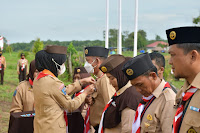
{"points": [[62, 68], [89, 68]]}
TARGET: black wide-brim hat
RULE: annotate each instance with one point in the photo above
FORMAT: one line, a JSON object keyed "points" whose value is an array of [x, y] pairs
{"points": [[96, 51]]}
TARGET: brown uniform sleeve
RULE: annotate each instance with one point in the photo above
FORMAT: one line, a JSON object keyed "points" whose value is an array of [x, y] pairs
{"points": [[73, 88], [127, 120], [167, 116], [18, 66], [17, 104], [106, 89], [65, 101]]}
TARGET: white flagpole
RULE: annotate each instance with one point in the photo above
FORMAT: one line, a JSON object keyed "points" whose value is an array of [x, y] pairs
{"points": [[107, 23], [119, 47], [136, 28]]}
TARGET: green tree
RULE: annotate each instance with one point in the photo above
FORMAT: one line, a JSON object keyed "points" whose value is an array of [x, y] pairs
{"points": [[158, 38], [38, 45], [196, 20]]}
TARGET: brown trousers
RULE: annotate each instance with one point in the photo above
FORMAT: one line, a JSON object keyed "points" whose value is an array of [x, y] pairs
{"points": [[2, 73]]}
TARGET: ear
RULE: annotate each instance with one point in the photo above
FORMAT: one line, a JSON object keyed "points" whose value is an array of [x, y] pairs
{"points": [[162, 69], [153, 75], [193, 55]]}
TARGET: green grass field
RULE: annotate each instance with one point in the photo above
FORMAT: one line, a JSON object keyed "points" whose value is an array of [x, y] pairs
{"points": [[11, 81]]}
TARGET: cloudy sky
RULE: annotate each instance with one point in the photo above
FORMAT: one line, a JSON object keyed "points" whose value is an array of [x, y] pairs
{"points": [[66, 20]]}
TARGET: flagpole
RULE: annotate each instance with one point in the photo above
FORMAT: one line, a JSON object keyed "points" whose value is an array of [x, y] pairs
{"points": [[107, 23], [136, 28], [119, 47]]}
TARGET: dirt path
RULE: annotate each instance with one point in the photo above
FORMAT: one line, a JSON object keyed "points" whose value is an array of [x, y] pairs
{"points": [[4, 116]]}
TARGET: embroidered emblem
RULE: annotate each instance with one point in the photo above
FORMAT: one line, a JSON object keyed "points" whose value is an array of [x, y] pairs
{"points": [[149, 117], [113, 103], [146, 125], [64, 91], [86, 51], [104, 69], [129, 72], [191, 130], [15, 92], [78, 70], [172, 35]]}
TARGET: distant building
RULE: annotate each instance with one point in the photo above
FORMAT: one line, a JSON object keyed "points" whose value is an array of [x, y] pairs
{"points": [[158, 46]]}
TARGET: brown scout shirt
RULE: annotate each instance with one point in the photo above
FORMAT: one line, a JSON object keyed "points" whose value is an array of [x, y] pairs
{"points": [[19, 64], [125, 126], [23, 99], [158, 118], [103, 95], [191, 120], [3, 61], [50, 103]]}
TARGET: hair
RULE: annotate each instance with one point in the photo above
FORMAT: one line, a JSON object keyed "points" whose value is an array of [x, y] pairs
{"points": [[187, 47], [159, 59], [153, 69]]}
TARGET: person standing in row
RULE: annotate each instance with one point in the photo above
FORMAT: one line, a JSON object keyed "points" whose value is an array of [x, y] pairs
{"points": [[2, 66], [158, 61], [94, 57], [184, 49], [23, 99], [75, 118], [51, 96], [155, 112], [22, 67], [120, 111]]}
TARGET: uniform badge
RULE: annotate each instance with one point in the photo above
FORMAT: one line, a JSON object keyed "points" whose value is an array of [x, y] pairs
{"points": [[191, 130], [149, 117], [86, 51], [15, 92], [146, 124], [104, 69], [194, 109], [64, 91], [129, 72], [78, 70], [172, 35]]}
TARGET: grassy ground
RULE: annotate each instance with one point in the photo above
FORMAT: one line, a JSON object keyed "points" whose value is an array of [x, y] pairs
{"points": [[11, 81]]}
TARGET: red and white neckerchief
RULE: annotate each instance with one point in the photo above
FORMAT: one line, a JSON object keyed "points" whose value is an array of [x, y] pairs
{"points": [[179, 113], [0, 63], [30, 81], [66, 120], [101, 128], [87, 116], [141, 109], [87, 121], [23, 65]]}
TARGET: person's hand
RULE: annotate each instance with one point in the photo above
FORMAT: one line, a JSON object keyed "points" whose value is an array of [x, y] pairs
{"points": [[89, 100], [89, 80], [89, 90], [18, 73]]}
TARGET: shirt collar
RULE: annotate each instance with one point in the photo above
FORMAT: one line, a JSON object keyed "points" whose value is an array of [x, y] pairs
{"points": [[159, 89], [194, 83], [120, 91]]}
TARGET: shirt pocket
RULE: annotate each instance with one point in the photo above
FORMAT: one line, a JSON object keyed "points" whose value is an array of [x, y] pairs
{"points": [[192, 118], [62, 124], [151, 128]]}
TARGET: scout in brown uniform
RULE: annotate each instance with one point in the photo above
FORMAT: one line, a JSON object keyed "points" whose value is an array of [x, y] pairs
{"points": [[51, 95], [2, 66], [94, 57], [22, 67], [158, 61], [155, 112], [23, 99], [185, 59], [119, 114], [75, 119]]}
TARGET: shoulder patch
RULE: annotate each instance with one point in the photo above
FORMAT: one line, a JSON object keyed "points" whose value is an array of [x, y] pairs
{"points": [[15, 92], [64, 90]]}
